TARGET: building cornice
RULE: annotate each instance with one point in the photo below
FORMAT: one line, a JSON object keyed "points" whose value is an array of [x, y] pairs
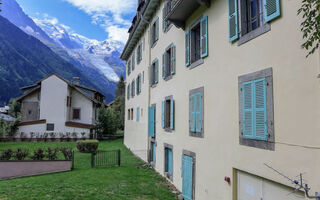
{"points": [[143, 21]]}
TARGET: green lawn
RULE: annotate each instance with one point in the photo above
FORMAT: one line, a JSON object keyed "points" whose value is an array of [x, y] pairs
{"points": [[125, 182]]}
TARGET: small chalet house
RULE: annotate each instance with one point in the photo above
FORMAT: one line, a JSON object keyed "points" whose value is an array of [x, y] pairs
{"points": [[59, 108]]}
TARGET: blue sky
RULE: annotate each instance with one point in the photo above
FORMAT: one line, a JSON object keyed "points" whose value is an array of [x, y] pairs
{"points": [[95, 19]]}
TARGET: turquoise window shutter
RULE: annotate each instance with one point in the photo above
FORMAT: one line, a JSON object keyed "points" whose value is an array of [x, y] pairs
{"points": [[151, 120], [204, 36], [247, 111], [187, 48], [157, 29], [153, 152], [151, 36], [156, 79], [173, 59], [172, 114], [133, 88], [164, 65], [255, 110], [138, 114], [260, 109], [198, 112], [133, 60], [169, 161], [139, 83], [233, 20], [128, 91], [271, 9], [163, 19], [150, 75], [162, 114], [192, 113], [187, 177]]}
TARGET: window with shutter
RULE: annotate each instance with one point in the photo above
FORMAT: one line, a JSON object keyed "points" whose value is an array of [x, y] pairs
{"points": [[256, 109], [164, 62], [133, 60], [204, 36], [154, 32], [168, 161], [154, 73], [187, 48], [196, 40], [166, 9], [254, 15], [272, 9], [233, 20], [196, 112], [168, 62], [139, 53], [168, 114], [128, 91], [138, 114], [152, 152], [132, 89], [173, 59], [129, 67]]}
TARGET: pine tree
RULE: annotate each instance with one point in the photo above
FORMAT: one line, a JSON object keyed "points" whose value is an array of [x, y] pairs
{"points": [[120, 87]]}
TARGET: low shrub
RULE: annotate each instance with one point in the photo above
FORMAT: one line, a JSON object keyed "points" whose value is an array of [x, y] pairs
{"points": [[38, 154], [67, 153], [52, 153], [6, 154], [21, 154], [87, 146]]}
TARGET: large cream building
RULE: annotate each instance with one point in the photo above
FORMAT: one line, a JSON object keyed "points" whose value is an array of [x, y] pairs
{"points": [[219, 92]]}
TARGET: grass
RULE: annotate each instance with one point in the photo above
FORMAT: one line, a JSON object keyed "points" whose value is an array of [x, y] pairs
{"points": [[126, 182]]}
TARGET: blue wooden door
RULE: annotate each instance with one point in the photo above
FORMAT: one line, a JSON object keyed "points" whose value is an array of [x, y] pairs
{"points": [[151, 121], [187, 177], [170, 161]]}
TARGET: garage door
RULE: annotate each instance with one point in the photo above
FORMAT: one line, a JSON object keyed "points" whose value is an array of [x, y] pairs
{"points": [[251, 187]]}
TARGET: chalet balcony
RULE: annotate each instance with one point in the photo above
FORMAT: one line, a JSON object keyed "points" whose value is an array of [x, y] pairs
{"points": [[181, 10]]}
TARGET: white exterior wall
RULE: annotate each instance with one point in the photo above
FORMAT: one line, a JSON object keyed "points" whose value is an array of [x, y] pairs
{"points": [[136, 133], [85, 105], [53, 102], [53, 109], [296, 91]]}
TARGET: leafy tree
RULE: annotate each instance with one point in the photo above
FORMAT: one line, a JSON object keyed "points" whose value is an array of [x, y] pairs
{"points": [[107, 123], [310, 26], [119, 107], [119, 103], [9, 129], [14, 108]]}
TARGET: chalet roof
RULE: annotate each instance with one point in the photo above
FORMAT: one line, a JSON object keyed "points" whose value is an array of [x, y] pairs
{"points": [[85, 91]]}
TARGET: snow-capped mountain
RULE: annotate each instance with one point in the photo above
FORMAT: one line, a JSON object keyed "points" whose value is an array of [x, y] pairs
{"points": [[98, 59], [89, 52]]}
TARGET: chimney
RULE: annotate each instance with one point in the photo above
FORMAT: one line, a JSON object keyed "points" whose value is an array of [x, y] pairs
{"points": [[76, 80]]}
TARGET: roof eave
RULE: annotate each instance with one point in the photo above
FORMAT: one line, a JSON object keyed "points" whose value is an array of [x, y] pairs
{"points": [[147, 14]]}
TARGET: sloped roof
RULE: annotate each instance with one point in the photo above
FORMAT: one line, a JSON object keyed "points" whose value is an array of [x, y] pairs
{"points": [[85, 91]]}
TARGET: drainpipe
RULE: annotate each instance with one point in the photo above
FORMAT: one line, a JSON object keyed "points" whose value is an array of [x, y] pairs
{"points": [[149, 88]]}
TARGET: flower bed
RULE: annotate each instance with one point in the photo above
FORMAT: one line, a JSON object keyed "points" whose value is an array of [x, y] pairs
{"points": [[20, 163]]}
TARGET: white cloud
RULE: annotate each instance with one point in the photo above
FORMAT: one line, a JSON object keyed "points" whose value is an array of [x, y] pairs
{"points": [[109, 14], [117, 33], [46, 19]]}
